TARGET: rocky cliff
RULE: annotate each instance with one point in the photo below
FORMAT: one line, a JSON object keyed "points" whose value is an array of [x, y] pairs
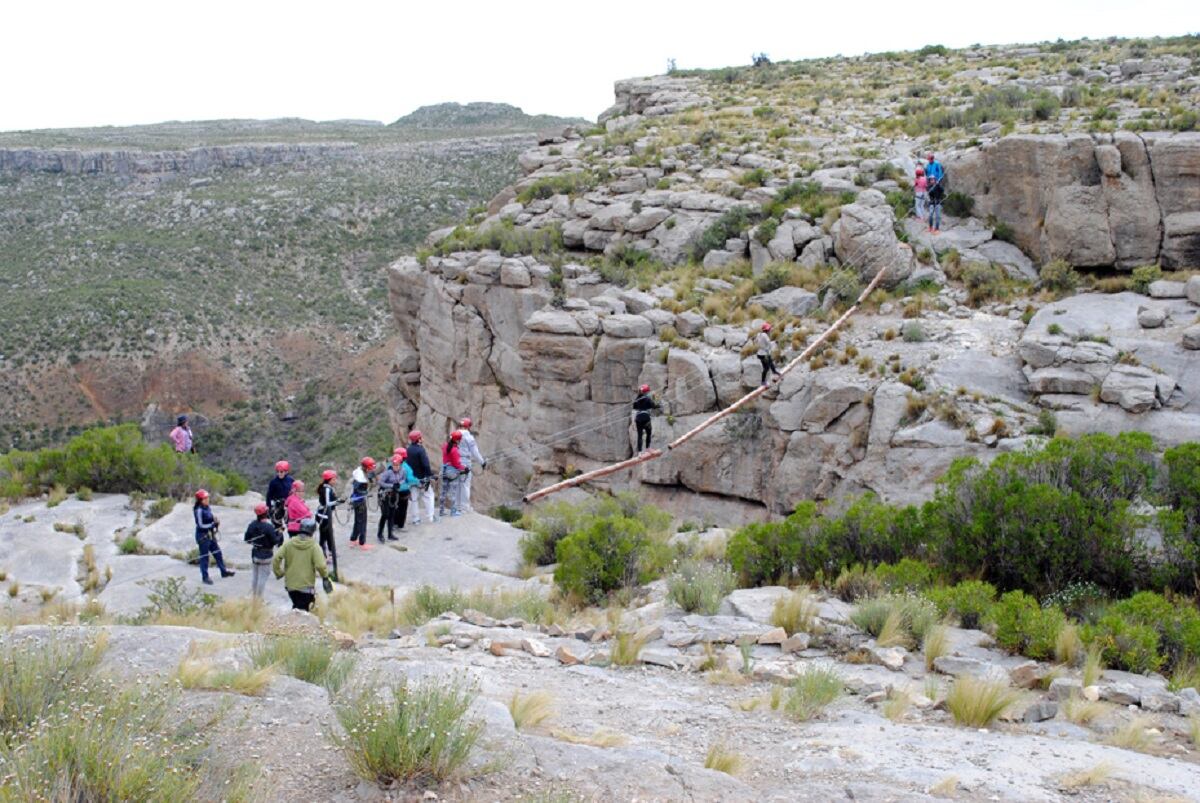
{"points": [[74, 162], [707, 204]]}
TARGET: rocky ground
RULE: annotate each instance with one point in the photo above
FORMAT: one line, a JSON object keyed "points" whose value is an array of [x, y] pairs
{"points": [[627, 732]]}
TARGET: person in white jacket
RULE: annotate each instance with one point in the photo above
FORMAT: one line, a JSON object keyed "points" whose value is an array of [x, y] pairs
{"points": [[471, 457]]}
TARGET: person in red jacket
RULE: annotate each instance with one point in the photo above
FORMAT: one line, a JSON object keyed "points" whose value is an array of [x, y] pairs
{"points": [[453, 472], [297, 511]]}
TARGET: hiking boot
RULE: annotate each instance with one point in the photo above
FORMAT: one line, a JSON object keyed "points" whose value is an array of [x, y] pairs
{"points": [[230, 573], [393, 538], [365, 547], [207, 581]]}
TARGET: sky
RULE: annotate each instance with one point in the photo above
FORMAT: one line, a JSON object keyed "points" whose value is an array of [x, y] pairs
{"points": [[122, 62]]}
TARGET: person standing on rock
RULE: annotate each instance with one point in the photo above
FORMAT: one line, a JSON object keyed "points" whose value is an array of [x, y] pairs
{"points": [[643, 405], [327, 500], [360, 486], [207, 525], [765, 346], [298, 563], [934, 171], [404, 491], [452, 472], [278, 491], [920, 193], [471, 458], [181, 437], [263, 537], [389, 490], [418, 461], [937, 194], [297, 509]]}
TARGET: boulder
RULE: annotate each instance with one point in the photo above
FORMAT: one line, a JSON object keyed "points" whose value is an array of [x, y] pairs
{"points": [[866, 239], [1061, 380], [626, 326], [1151, 317], [813, 255], [1192, 289], [1165, 289], [1064, 688], [794, 301], [514, 274], [1191, 338], [690, 323], [690, 388], [554, 322], [1040, 711]]}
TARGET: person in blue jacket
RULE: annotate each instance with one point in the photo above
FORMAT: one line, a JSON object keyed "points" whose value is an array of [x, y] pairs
{"points": [[206, 537]]}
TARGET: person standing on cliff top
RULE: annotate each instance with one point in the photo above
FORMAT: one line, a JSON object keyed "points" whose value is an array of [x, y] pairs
{"points": [[181, 437]]}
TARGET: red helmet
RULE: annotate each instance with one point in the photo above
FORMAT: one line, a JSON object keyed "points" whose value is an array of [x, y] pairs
{"points": [[920, 170], [298, 487], [465, 423], [414, 436], [397, 459], [283, 465], [456, 435], [368, 463], [201, 494], [766, 327], [328, 475], [401, 453], [644, 389], [260, 510]]}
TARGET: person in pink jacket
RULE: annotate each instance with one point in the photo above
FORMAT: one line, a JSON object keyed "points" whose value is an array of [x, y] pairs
{"points": [[297, 511]]}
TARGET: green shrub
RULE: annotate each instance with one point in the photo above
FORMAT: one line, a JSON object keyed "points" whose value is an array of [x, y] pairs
{"points": [[417, 731], [550, 524], [611, 553], [767, 552], [813, 689], [969, 601], [754, 178], [1059, 276], [1143, 276], [1124, 644], [1041, 519], [110, 460], [984, 281], [773, 277], [312, 660], [505, 237], [729, 225], [906, 575], [562, 184], [130, 545], [698, 587], [1080, 600], [764, 233], [855, 582], [1175, 624], [1024, 627], [160, 507], [958, 205], [507, 514], [912, 615], [1181, 523]]}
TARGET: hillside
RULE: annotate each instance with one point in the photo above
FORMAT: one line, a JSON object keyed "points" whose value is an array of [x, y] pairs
{"points": [[492, 116], [650, 249], [231, 268]]}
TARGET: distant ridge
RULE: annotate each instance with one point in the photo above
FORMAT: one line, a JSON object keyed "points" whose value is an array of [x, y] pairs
{"points": [[479, 115]]}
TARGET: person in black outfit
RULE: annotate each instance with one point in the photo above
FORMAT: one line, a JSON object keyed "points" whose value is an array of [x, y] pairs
{"points": [[389, 491], [327, 500], [263, 537], [642, 406], [278, 490], [418, 461]]}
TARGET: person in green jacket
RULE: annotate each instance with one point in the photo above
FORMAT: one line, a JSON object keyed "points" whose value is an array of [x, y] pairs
{"points": [[299, 562]]}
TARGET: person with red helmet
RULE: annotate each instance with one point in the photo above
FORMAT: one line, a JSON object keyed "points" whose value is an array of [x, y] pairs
{"points": [[936, 177], [763, 342], [278, 491], [263, 537], [327, 502], [643, 406], [297, 508], [408, 482], [394, 483], [452, 472], [360, 487], [471, 457], [418, 460], [207, 525], [920, 193]]}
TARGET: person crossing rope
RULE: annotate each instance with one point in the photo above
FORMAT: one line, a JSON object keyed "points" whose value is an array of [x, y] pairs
{"points": [[471, 458], [643, 405], [763, 341]]}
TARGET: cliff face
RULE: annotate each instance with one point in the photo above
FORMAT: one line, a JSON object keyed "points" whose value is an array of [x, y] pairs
{"points": [[545, 353], [1119, 200], [131, 162]]}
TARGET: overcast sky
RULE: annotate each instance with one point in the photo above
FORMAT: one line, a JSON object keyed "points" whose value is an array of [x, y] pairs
{"points": [[126, 61]]}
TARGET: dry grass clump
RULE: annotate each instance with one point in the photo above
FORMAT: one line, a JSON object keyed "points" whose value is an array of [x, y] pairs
{"points": [[601, 737], [935, 644], [722, 759], [415, 730], [977, 702], [897, 705], [530, 710], [203, 674], [796, 612], [1092, 776], [1133, 735], [225, 616], [812, 690], [947, 787], [1067, 645], [1081, 711], [1093, 666], [626, 649], [313, 660]]}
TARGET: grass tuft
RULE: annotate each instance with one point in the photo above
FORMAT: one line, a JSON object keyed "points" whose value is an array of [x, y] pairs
{"points": [[202, 674], [1092, 776], [935, 645], [1133, 735], [977, 702], [812, 690], [312, 660], [530, 710], [626, 649], [1081, 711], [601, 737], [796, 612], [722, 759]]}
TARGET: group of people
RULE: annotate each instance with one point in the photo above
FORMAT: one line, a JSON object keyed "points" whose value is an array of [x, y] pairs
{"points": [[929, 191], [408, 475]]}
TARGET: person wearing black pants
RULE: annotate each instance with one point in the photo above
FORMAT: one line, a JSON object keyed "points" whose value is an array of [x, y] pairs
{"points": [[642, 407], [327, 500], [360, 486], [389, 485], [763, 341]]}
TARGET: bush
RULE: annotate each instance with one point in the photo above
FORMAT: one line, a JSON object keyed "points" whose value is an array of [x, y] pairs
{"points": [[984, 282], [698, 587], [855, 583], [312, 660], [813, 689], [550, 524], [1143, 276], [729, 225], [110, 460], [562, 184], [420, 730], [773, 277], [1039, 520], [907, 575], [1022, 626], [764, 553], [958, 205], [609, 554], [1059, 276], [1124, 644], [970, 601], [909, 617], [764, 233], [1176, 625]]}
